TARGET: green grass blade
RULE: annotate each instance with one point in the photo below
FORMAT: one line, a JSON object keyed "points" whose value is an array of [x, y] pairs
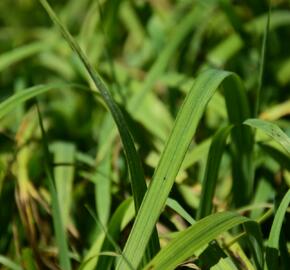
{"points": [[64, 153], [114, 230], [172, 157], [61, 239], [21, 53], [211, 172], [9, 264], [111, 240], [271, 130], [12, 102], [120, 218], [272, 246], [242, 142], [28, 259], [138, 181], [133, 160], [103, 189], [264, 192], [255, 240], [194, 238], [262, 62], [15, 100], [174, 205]]}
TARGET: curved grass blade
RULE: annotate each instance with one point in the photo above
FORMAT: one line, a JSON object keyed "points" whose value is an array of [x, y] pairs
{"points": [[211, 172], [177, 144], [271, 130], [137, 178], [194, 238], [272, 247], [12, 102], [21, 53]]}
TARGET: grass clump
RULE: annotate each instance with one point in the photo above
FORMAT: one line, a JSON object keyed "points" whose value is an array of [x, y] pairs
{"points": [[163, 145]]}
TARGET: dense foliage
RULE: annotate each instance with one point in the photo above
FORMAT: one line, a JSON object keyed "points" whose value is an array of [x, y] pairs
{"points": [[144, 134]]}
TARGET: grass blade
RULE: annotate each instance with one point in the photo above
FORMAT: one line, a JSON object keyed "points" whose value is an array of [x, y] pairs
{"points": [[21, 53], [114, 228], [14, 101], [242, 142], [103, 190], [9, 264], [194, 238], [262, 62], [138, 182], [172, 157], [64, 152], [255, 240], [271, 130], [61, 240], [272, 247], [174, 205], [133, 160], [211, 173]]}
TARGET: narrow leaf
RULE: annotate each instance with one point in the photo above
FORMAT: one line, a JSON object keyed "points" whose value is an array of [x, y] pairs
{"points": [[172, 157], [272, 248], [12, 102], [133, 160], [194, 238], [59, 229], [271, 130], [211, 172]]}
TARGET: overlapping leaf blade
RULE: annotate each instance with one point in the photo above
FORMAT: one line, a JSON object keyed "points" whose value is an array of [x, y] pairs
{"points": [[194, 238], [184, 129], [133, 160]]}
